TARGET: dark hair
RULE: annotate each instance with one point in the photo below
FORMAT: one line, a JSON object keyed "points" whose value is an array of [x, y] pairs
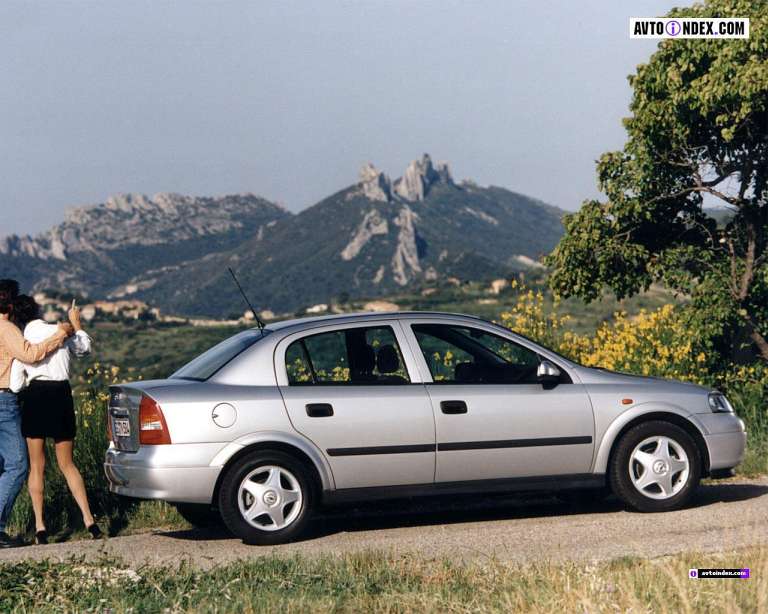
{"points": [[6, 301], [11, 286], [25, 309]]}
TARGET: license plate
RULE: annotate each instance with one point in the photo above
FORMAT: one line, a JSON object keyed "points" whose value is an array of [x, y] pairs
{"points": [[122, 427]]}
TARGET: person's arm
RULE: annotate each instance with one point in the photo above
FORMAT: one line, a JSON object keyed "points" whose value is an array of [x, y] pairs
{"points": [[80, 343], [18, 376], [21, 349]]}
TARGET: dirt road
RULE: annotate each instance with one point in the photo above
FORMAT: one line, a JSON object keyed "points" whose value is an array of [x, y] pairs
{"points": [[724, 515]]}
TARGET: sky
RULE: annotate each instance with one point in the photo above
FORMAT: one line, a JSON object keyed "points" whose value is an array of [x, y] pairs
{"points": [[287, 99]]}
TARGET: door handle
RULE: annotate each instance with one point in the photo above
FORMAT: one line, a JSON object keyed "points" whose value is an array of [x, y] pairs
{"points": [[453, 407], [319, 410]]}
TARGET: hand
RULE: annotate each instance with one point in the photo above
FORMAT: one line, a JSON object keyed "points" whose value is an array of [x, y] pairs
{"points": [[67, 328], [74, 317]]}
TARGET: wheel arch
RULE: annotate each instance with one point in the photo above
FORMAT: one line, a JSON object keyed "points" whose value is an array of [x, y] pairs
{"points": [[617, 431], [297, 447]]}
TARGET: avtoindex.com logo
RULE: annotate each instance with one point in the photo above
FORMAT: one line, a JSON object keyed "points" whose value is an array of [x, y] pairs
{"points": [[688, 27], [695, 574]]}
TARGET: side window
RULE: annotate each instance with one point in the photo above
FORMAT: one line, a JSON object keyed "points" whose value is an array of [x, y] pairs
{"points": [[297, 365], [353, 356], [462, 355], [327, 355]]}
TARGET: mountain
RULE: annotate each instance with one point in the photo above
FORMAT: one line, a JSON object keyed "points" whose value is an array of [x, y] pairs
{"points": [[97, 249], [372, 238]]}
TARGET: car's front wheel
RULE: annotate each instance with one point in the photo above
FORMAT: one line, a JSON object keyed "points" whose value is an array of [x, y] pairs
{"points": [[656, 467], [266, 498]]}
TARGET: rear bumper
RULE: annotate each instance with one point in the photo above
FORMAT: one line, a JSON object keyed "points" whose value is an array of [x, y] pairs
{"points": [[171, 473]]}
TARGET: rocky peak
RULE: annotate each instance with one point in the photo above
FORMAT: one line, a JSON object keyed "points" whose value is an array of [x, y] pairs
{"points": [[375, 184], [420, 176]]}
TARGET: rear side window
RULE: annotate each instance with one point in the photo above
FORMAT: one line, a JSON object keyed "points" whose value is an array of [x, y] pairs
{"points": [[353, 356], [209, 362]]}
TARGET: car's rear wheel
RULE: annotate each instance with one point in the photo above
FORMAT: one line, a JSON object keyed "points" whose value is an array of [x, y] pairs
{"points": [[199, 516], [266, 497], [656, 467]]}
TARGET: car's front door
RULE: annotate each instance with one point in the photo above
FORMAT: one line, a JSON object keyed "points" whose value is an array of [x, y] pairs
{"points": [[494, 419], [355, 392]]}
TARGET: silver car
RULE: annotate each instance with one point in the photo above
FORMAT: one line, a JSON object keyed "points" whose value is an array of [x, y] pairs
{"points": [[267, 426]]}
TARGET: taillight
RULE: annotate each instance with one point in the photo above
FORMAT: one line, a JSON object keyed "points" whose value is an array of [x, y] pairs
{"points": [[109, 427], [152, 427]]}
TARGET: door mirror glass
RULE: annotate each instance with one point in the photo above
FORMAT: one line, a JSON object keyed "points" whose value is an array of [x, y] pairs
{"points": [[548, 374]]}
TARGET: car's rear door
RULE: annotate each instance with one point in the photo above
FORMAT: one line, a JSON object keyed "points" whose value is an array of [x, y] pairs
{"points": [[493, 418], [355, 391]]}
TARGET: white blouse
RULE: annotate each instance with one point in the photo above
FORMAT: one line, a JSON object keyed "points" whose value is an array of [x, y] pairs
{"points": [[55, 366]]}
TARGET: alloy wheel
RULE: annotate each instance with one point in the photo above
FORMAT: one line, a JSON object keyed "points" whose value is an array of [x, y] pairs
{"points": [[270, 498], [659, 467]]}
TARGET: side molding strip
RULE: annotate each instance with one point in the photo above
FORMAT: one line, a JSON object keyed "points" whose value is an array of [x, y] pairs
{"points": [[461, 445], [425, 447], [514, 443]]}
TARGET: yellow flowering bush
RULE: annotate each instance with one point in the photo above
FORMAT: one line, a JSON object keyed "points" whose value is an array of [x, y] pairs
{"points": [[650, 343]]}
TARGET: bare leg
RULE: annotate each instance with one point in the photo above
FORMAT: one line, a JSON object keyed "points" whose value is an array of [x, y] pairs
{"points": [[36, 448], [74, 479]]}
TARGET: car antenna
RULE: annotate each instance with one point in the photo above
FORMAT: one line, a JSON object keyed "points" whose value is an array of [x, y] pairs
{"points": [[245, 298]]}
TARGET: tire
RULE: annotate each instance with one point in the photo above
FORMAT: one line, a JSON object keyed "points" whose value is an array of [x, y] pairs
{"points": [[199, 516], [259, 484], [655, 467]]}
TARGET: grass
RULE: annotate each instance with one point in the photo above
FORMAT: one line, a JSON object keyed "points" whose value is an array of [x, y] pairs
{"points": [[376, 582], [755, 462]]}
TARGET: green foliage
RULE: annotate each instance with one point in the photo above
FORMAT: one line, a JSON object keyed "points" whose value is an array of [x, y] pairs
{"points": [[698, 133]]}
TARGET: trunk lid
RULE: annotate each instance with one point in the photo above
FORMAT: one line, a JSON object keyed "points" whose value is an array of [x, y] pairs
{"points": [[123, 409]]}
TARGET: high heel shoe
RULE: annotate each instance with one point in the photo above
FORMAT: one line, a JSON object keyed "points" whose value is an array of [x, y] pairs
{"points": [[95, 531], [41, 538]]}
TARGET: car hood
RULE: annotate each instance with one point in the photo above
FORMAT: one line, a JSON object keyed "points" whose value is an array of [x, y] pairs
{"points": [[603, 376]]}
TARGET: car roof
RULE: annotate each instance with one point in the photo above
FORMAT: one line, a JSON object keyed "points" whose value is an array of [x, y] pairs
{"points": [[344, 318]]}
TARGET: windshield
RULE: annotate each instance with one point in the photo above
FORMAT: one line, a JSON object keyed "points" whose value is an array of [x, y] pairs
{"points": [[209, 362]]}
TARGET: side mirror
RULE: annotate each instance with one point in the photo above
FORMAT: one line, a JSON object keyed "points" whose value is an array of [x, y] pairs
{"points": [[548, 374]]}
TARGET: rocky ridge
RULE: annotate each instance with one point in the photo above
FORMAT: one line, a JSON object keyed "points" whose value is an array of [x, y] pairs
{"points": [[370, 239], [137, 220]]}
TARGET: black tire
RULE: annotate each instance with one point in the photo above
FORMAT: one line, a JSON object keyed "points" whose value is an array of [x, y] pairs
{"points": [[619, 468], [229, 493], [199, 516]]}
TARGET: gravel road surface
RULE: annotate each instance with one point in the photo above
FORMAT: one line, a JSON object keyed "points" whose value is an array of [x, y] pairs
{"points": [[724, 515]]}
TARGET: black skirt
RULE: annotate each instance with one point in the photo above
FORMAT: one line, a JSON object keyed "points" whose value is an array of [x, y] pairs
{"points": [[47, 410]]}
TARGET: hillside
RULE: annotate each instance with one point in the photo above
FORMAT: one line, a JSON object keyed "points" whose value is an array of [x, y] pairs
{"points": [[373, 238], [97, 249]]}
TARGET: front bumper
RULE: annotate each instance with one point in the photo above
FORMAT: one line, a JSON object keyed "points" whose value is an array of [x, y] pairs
{"points": [[726, 450], [726, 440], [170, 473]]}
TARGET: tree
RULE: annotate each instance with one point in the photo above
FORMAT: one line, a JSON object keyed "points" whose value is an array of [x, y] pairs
{"points": [[697, 137]]}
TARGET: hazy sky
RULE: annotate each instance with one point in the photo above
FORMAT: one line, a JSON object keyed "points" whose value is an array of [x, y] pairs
{"points": [[287, 99]]}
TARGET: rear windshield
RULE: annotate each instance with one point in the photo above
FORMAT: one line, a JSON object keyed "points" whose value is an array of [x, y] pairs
{"points": [[209, 362]]}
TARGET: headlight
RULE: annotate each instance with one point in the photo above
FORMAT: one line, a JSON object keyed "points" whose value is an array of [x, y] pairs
{"points": [[718, 403]]}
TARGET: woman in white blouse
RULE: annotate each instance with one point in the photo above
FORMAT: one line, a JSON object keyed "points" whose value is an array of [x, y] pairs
{"points": [[47, 409]]}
